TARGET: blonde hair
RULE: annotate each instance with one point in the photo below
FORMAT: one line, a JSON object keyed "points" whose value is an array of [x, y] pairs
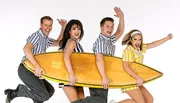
{"points": [[127, 38]]}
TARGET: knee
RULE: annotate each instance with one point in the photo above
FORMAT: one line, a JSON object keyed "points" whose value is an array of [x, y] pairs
{"points": [[51, 92], [44, 97]]}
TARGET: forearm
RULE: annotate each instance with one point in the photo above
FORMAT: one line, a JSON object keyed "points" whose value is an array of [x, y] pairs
{"points": [[100, 65], [30, 57], [121, 25], [131, 72], [68, 65], [157, 43], [61, 33], [120, 28]]}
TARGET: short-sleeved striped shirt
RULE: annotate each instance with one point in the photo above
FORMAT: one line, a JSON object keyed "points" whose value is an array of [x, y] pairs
{"points": [[132, 55], [40, 42], [104, 45]]}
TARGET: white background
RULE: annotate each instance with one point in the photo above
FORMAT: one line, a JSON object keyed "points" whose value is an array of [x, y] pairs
{"points": [[155, 18]]}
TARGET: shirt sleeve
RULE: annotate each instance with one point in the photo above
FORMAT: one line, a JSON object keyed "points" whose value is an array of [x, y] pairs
{"points": [[98, 47], [33, 39], [127, 56], [144, 48], [50, 41], [113, 39]]}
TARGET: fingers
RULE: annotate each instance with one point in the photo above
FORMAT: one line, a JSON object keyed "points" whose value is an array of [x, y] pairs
{"points": [[72, 81], [62, 21], [105, 84], [38, 74], [118, 12], [170, 36]]}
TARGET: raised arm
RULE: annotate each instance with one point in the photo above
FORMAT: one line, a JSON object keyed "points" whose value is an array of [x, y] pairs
{"points": [[67, 59], [159, 42], [63, 23], [120, 28]]}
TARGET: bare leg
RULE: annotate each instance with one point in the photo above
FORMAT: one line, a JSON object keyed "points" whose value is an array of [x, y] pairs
{"points": [[136, 95], [80, 92], [146, 94], [127, 101], [71, 93]]}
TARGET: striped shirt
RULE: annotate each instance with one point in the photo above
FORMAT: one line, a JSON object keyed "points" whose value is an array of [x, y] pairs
{"points": [[78, 48], [132, 55], [104, 45], [40, 42]]}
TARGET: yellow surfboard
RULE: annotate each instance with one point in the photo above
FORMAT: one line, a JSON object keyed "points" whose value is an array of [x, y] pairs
{"points": [[86, 71]]}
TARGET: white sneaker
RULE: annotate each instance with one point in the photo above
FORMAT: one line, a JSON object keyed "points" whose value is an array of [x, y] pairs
{"points": [[112, 101]]}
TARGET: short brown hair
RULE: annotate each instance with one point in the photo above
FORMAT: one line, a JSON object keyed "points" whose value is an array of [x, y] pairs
{"points": [[45, 18], [106, 19]]}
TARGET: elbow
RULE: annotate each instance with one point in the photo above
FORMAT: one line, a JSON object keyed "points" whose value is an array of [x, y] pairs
{"points": [[25, 49], [66, 58], [98, 58]]}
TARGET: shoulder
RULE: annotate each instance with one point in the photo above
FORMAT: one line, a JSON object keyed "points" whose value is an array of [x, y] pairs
{"points": [[71, 43], [128, 49]]}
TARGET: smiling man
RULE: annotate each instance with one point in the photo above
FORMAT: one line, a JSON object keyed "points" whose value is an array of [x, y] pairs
{"points": [[39, 90], [104, 45]]}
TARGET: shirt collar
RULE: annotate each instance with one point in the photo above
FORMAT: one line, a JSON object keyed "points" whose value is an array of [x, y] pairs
{"points": [[42, 34], [130, 46], [104, 37]]}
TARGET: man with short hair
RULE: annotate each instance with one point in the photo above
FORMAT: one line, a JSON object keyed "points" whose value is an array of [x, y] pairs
{"points": [[39, 90], [104, 45]]}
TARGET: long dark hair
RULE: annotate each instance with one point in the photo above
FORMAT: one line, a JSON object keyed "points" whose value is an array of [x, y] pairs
{"points": [[66, 34]]}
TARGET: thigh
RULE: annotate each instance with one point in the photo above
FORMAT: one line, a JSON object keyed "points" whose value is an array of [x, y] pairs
{"points": [[136, 95], [146, 94], [71, 93], [103, 93], [31, 81], [80, 92], [91, 99], [49, 87]]}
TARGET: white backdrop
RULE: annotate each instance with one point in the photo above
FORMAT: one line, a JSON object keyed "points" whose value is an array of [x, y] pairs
{"points": [[155, 18]]}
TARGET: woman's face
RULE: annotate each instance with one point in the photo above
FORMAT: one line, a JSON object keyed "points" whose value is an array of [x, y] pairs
{"points": [[75, 31], [136, 41]]}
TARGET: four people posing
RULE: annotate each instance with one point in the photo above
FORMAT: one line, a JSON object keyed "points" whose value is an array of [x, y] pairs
{"points": [[40, 90]]}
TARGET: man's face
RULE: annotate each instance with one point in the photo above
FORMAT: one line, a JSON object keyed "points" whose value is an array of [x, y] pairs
{"points": [[46, 26], [107, 28]]}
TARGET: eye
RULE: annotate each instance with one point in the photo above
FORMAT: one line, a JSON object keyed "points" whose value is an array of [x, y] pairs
{"points": [[73, 28], [135, 39]]}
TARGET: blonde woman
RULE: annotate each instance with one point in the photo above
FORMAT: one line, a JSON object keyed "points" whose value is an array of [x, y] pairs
{"points": [[134, 53]]}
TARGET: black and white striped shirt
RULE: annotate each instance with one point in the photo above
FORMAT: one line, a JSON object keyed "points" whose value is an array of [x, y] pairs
{"points": [[78, 48], [104, 45], [40, 42]]}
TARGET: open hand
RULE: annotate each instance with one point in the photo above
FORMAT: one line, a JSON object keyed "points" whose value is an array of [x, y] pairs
{"points": [[169, 36], [118, 12]]}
